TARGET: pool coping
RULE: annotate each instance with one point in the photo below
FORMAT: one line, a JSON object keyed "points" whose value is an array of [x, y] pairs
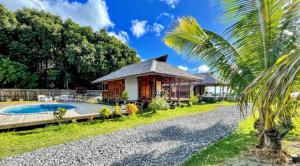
{"points": [[29, 113]]}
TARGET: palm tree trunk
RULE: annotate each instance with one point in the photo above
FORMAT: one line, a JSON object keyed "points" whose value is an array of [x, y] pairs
{"points": [[272, 140]]}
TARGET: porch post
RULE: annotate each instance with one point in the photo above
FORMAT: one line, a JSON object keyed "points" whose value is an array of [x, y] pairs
{"points": [[170, 89], [220, 94], [215, 91], [190, 89], [153, 88], [178, 89]]}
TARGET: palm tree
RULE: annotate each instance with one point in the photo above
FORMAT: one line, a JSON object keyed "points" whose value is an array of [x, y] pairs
{"points": [[258, 56]]}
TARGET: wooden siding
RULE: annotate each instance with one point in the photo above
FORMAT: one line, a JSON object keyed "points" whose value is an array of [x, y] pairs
{"points": [[150, 86], [147, 86], [114, 91]]}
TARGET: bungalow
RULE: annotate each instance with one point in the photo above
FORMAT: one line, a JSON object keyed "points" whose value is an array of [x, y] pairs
{"points": [[210, 86], [146, 80]]}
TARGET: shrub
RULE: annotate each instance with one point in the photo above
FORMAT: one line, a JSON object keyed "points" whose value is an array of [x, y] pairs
{"points": [[59, 114], [209, 100], [194, 99], [105, 113], [131, 109], [117, 111], [125, 95], [158, 103], [190, 104]]}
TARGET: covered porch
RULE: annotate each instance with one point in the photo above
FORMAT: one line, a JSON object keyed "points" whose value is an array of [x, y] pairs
{"points": [[172, 88]]}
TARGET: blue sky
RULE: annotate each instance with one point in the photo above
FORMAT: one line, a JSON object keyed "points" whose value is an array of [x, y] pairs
{"points": [[139, 23]]}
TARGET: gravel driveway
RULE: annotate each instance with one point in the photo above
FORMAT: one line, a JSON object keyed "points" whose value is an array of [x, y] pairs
{"points": [[168, 142]]}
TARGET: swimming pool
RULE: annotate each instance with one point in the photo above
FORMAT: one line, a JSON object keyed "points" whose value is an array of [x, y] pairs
{"points": [[37, 108]]}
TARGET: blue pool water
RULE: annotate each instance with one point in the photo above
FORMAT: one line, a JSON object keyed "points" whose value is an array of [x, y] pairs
{"points": [[39, 108]]}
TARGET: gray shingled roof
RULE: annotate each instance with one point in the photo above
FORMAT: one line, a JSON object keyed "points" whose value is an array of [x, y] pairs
{"points": [[208, 79], [151, 66]]}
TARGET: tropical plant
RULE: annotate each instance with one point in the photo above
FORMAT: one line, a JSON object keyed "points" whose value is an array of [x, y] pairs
{"points": [[131, 109], [194, 99], [158, 103], [105, 113], [117, 111], [271, 94], [258, 55], [59, 114], [125, 95]]}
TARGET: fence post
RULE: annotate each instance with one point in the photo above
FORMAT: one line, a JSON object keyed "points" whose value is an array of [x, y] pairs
{"points": [[27, 93], [2, 98]]}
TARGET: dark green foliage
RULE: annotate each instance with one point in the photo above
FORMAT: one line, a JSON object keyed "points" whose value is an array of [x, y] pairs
{"points": [[59, 114], [15, 74], [208, 100], [58, 52]]}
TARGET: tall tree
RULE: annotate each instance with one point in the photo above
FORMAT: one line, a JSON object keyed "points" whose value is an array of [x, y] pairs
{"points": [[259, 33], [60, 52], [15, 75]]}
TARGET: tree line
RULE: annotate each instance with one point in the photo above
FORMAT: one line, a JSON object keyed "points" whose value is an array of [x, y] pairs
{"points": [[40, 50]]}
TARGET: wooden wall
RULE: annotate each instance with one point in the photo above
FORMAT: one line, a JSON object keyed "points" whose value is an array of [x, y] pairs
{"points": [[147, 85], [115, 90]]}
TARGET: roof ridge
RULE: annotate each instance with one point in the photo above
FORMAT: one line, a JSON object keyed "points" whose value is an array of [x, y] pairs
{"points": [[153, 65]]}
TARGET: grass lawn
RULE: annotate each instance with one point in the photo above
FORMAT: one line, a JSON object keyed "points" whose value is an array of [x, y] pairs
{"points": [[240, 141], [13, 143]]}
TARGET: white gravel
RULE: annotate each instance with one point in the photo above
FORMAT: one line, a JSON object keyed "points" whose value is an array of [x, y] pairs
{"points": [[168, 142]]}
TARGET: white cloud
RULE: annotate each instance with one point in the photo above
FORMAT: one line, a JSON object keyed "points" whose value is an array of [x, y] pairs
{"points": [[93, 13], [203, 68], [121, 35], [157, 28], [185, 68], [171, 3], [139, 28], [165, 14]]}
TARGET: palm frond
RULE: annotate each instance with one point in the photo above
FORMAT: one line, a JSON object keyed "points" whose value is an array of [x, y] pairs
{"points": [[272, 89], [190, 39]]}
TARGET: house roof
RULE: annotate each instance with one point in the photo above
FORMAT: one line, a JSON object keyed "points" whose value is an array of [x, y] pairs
{"points": [[152, 66], [209, 79]]}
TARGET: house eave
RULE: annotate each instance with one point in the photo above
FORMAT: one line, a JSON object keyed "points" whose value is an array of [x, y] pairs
{"points": [[146, 74]]}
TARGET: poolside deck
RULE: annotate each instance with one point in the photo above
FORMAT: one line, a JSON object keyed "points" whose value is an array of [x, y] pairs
{"points": [[24, 120], [87, 111]]}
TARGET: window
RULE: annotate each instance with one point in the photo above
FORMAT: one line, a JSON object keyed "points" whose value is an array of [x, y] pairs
{"points": [[103, 86]]}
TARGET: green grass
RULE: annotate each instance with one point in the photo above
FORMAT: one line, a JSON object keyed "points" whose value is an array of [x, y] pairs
{"points": [[13, 143], [231, 146], [240, 141]]}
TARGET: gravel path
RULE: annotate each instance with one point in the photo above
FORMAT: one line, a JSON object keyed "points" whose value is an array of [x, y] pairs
{"points": [[168, 142]]}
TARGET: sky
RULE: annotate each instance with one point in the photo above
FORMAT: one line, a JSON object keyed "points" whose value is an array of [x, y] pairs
{"points": [[141, 24]]}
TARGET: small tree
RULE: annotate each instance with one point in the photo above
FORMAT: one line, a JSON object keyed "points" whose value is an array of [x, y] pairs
{"points": [[125, 95], [59, 114]]}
